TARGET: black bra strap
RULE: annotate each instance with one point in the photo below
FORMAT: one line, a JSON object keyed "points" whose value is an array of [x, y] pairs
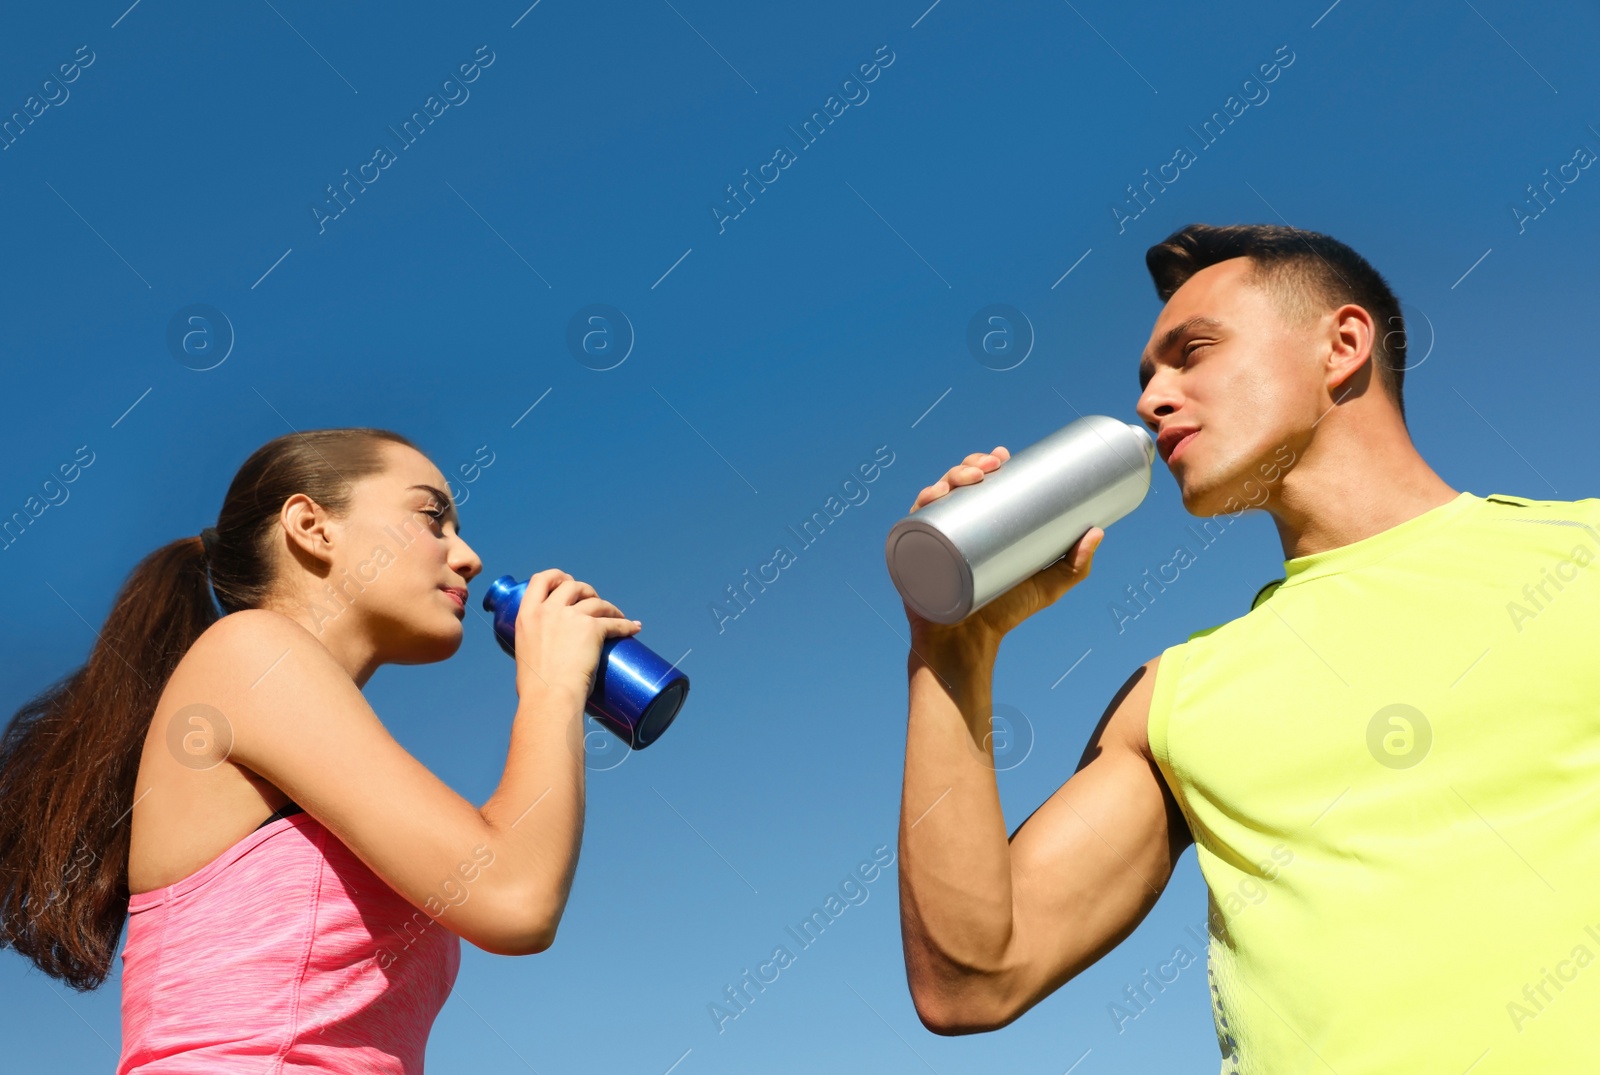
{"points": [[286, 810]]}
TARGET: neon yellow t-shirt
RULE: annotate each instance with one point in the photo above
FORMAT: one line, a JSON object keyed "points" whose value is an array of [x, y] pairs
{"points": [[1391, 769]]}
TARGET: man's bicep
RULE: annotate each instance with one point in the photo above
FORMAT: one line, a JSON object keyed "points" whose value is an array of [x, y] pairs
{"points": [[1088, 865]]}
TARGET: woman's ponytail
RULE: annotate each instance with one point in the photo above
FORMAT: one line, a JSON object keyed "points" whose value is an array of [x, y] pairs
{"points": [[70, 757]]}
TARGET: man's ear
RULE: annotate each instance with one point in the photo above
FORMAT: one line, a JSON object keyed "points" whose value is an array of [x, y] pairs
{"points": [[306, 524], [1350, 342]]}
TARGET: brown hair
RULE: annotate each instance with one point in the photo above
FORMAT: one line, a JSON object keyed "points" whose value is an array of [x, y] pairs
{"points": [[1306, 273], [70, 756]]}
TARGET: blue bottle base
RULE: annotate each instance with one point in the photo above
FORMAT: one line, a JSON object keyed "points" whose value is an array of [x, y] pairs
{"points": [[657, 716]]}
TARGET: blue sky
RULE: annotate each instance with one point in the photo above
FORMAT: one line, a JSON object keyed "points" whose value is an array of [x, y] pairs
{"points": [[773, 351]]}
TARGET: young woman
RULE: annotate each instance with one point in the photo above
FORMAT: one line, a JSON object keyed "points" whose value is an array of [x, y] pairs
{"points": [[294, 881]]}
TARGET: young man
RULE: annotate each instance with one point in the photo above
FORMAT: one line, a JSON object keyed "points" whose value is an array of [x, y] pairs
{"points": [[1390, 765]]}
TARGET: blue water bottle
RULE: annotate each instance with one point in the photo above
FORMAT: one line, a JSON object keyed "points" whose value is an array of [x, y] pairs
{"points": [[637, 695]]}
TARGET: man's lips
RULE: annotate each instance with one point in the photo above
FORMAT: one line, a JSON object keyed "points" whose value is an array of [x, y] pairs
{"points": [[459, 596], [1172, 456], [1168, 439]]}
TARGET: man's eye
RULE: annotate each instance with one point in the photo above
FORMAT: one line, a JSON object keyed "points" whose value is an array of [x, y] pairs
{"points": [[1195, 347]]}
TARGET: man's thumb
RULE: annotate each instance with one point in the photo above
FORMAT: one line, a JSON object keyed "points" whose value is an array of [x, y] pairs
{"points": [[1087, 546]]}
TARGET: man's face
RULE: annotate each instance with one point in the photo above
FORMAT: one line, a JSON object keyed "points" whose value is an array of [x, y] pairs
{"points": [[1222, 360]]}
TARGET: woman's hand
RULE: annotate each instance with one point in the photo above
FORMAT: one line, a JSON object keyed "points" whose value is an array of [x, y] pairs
{"points": [[993, 621], [561, 626]]}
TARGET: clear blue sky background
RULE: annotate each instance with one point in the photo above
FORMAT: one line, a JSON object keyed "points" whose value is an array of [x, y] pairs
{"points": [[771, 358]]}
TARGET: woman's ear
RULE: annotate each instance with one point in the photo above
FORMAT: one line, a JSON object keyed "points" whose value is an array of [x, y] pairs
{"points": [[307, 527]]}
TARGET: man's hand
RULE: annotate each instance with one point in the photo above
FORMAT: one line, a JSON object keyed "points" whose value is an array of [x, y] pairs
{"points": [[984, 628]]}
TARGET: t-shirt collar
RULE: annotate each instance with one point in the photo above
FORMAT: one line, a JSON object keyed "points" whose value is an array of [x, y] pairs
{"points": [[1376, 546]]}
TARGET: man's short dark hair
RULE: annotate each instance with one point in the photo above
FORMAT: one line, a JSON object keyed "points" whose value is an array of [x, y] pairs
{"points": [[1306, 273]]}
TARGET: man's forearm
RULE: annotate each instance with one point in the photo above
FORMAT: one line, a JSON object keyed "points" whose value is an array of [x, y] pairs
{"points": [[955, 862]]}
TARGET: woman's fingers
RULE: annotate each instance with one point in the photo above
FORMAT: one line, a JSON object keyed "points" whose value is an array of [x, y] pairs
{"points": [[618, 628], [583, 598], [542, 582], [599, 608], [571, 591]]}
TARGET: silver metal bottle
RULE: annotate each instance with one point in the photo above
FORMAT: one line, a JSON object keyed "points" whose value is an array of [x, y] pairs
{"points": [[951, 557]]}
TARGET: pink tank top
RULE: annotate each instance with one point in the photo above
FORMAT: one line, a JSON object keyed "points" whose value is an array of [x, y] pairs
{"points": [[283, 954]]}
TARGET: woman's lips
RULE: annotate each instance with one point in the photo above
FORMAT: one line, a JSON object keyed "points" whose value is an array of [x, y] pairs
{"points": [[459, 597]]}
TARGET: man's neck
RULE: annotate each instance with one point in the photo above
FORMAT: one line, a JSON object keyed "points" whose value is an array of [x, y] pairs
{"points": [[1352, 482]]}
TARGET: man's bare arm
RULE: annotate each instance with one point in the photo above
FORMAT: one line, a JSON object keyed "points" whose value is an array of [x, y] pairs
{"points": [[992, 926]]}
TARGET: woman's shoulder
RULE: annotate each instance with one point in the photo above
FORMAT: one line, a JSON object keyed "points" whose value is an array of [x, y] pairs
{"points": [[249, 628], [244, 644], [255, 664]]}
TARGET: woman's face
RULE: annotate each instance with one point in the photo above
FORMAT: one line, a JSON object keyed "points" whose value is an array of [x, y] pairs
{"points": [[399, 562]]}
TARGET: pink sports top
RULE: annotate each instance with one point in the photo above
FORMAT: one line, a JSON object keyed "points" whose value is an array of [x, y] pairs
{"points": [[285, 953]]}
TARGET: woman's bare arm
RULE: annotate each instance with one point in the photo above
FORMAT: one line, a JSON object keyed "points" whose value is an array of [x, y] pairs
{"points": [[298, 721]]}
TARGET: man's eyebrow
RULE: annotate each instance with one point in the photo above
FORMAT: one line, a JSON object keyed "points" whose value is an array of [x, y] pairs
{"points": [[443, 498], [1170, 337]]}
